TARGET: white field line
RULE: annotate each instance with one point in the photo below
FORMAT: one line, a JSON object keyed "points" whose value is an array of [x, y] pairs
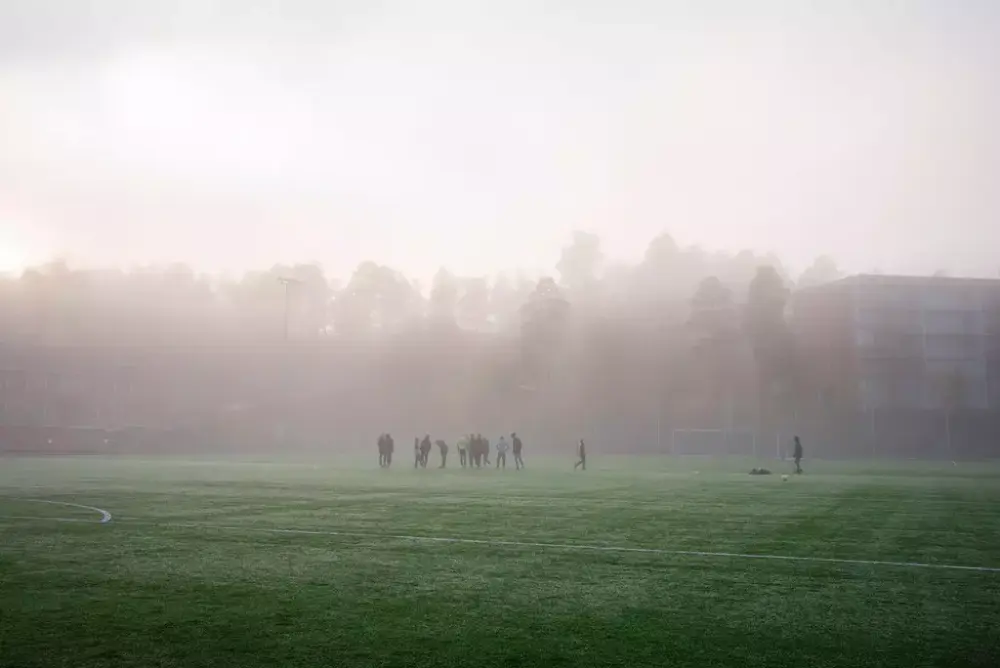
{"points": [[105, 515], [443, 498], [77, 520], [592, 548]]}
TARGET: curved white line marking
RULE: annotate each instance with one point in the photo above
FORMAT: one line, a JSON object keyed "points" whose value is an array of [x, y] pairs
{"points": [[105, 515], [605, 548], [35, 518]]}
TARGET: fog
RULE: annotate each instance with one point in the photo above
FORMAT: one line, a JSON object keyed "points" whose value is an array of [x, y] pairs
{"points": [[599, 349], [569, 219], [477, 136]]}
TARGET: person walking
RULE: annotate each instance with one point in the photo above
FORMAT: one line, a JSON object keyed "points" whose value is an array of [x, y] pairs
{"points": [[517, 446], [502, 447], [797, 455], [581, 452]]}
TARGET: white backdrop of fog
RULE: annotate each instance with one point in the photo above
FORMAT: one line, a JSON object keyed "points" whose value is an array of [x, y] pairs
{"points": [[476, 135]]}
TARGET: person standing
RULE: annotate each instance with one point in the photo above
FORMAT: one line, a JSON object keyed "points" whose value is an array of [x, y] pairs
{"points": [[797, 455], [381, 451], [485, 445], [463, 451], [502, 447], [443, 447], [517, 446], [477, 440], [390, 446], [581, 452], [416, 452], [425, 450]]}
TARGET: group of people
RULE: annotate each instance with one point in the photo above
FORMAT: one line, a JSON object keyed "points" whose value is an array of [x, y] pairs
{"points": [[385, 448], [473, 451]]}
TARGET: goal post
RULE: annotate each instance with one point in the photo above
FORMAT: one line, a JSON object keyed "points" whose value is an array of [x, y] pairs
{"points": [[714, 442]]}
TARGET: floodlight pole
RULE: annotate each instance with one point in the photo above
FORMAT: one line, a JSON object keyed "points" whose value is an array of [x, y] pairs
{"points": [[287, 282]]}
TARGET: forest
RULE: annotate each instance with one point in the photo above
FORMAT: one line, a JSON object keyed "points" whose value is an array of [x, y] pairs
{"points": [[684, 338]]}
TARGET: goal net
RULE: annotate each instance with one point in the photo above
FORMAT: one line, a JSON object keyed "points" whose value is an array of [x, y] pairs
{"points": [[713, 442]]}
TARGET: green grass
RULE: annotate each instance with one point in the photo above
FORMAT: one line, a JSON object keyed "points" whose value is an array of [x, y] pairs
{"points": [[185, 574]]}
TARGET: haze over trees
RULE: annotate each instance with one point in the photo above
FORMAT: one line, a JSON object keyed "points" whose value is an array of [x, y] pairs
{"points": [[684, 337]]}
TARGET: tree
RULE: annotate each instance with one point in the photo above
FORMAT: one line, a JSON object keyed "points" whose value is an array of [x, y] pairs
{"points": [[259, 301], [580, 263], [740, 269], [474, 304], [712, 308], [712, 325], [822, 270], [544, 318], [661, 251], [376, 298], [546, 308], [767, 297], [670, 274], [309, 297], [768, 332], [443, 299], [506, 300]]}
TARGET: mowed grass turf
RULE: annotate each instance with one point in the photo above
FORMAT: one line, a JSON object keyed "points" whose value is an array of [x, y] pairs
{"points": [[191, 572]]}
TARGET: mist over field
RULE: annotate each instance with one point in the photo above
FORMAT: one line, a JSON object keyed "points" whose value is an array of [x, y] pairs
{"points": [[310, 223], [477, 136], [689, 310]]}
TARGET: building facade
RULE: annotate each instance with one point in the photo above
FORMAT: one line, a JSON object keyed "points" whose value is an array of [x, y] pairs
{"points": [[929, 343]]}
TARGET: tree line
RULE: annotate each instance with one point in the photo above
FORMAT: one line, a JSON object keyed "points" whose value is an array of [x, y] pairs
{"points": [[696, 338]]}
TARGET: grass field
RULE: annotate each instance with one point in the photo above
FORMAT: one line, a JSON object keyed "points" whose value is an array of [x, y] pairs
{"points": [[197, 567]]}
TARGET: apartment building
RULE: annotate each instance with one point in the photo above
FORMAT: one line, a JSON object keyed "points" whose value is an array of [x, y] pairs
{"points": [[902, 342]]}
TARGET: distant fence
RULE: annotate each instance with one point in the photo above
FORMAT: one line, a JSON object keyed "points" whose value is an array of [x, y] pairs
{"points": [[880, 434], [57, 440], [896, 433]]}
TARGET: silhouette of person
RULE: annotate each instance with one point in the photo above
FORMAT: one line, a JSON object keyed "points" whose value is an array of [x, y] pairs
{"points": [[517, 446], [485, 448], [425, 450], [581, 452], [443, 447], [502, 447], [797, 455], [477, 441]]}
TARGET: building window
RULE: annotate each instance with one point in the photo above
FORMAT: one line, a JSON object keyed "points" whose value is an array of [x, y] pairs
{"points": [[953, 321], [953, 346]]}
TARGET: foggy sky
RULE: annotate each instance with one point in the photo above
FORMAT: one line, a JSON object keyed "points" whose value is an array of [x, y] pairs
{"points": [[478, 135]]}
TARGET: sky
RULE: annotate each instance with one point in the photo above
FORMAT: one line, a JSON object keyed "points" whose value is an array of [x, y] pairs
{"points": [[233, 134]]}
